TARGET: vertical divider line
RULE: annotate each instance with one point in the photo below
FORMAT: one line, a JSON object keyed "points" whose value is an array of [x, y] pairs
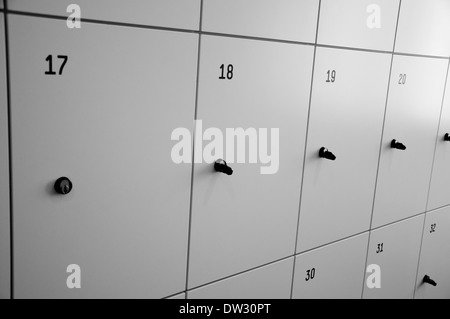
{"points": [[193, 149], [429, 185], [8, 96], [381, 146], [306, 144]]}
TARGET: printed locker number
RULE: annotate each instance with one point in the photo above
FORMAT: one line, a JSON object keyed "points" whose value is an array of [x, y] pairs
{"points": [[331, 76], [228, 74], [433, 228], [310, 274], [49, 59], [379, 248], [402, 79]]}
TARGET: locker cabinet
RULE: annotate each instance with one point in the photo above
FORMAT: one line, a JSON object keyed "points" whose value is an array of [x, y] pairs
{"points": [[395, 248], [424, 27], [294, 20], [269, 282], [4, 175], [333, 271], [366, 24], [440, 180], [184, 14], [435, 256], [104, 120], [412, 116], [346, 117], [249, 218]]}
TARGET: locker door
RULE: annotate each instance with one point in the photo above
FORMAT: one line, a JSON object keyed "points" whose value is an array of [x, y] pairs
{"points": [[294, 20], [424, 27], [4, 175], [395, 248], [184, 14], [269, 282], [440, 180], [333, 271], [435, 256], [249, 218], [364, 24], [105, 123], [412, 116], [346, 117]]}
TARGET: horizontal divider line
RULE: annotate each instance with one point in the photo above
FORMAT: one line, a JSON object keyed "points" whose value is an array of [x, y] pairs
{"points": [[209, 33]]}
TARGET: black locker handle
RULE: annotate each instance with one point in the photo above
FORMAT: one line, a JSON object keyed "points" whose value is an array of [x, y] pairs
{"points": [[63, 186], [221, 166], [447, 137], [325, 153], [397, 145], [428, 280]]}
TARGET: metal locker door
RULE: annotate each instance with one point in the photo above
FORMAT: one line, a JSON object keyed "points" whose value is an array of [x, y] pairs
{"points": [[102, 116], [439, 195], [395, 249], [4, 175], [269, 282], [346, 117], [249, 218], [293, 20], [333, 271], [364, 24], [183, 14], [435, 257], [409, 137], [424, 28]]}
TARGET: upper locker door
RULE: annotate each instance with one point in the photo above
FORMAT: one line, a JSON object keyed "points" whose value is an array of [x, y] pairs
{"points": [[368, 24], [440, 180], [346, 117], [184, 14], [98, 105], [253, 101], [4, 175], [435, 256], [293, 20], [412, 117]]}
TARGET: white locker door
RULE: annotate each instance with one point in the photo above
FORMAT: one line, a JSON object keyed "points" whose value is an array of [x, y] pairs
{"points": [[294, 20], [412, 118], [395, 249], [368, 24], [333, 271], [435, 257], [440, 180], [105, 123], [424, 27], [183, 14], [4, 175], [269, 282], [346, 117], [249, 218]]}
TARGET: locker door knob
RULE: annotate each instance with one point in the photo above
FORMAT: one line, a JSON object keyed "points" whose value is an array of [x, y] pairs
{"points": [[325, 153], [428, 280], [221, 166], [63, 186], [397, 145], [447, 137]]}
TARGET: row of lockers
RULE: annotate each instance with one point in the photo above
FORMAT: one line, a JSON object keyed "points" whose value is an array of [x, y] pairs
{"points": [[345, 269], [106, 122], [423, 25]]}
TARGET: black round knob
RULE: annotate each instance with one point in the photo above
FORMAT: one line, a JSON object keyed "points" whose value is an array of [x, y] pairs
{"points": [[63, 186], [397, 145], [325, 153], [447, 137], [428, 280], [221, 166]]}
